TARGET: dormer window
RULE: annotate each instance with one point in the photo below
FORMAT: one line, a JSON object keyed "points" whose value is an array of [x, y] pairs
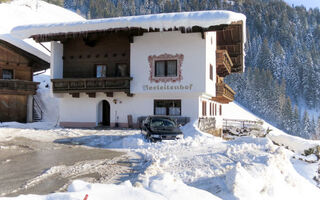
{"points": [[7, 74], [166, 68]]}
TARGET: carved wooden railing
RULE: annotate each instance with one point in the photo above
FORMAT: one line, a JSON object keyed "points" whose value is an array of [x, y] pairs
{"points": [[224, 63], [109, 84], [224, 93], [19, 87]]}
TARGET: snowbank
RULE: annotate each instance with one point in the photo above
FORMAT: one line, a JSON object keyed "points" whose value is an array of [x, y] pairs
{"points": [[49, 104], [296, 144], [161, 188]]}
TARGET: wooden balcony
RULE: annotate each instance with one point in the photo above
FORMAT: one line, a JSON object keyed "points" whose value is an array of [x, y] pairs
{"points": [[91, 85], [224, 63], [224, 93], [17, 87]]}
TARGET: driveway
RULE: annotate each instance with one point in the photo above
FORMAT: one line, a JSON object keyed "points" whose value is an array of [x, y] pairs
{"points": [[33, 167]]}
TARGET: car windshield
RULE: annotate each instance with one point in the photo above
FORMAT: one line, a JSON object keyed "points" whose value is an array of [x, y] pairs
{"points": [[156, 122]]}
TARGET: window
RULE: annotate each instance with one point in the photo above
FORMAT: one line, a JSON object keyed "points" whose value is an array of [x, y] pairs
{"points": [[204, 108], [215, 109], [7, 74], [211, 72], [165, 68], [167, 107], [101, 71], [121, 70], [220, 110], [210, 108]]}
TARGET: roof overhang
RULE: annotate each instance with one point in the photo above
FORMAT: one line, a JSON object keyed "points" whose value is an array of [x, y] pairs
{"points": [[231, 28], [38, 60]]}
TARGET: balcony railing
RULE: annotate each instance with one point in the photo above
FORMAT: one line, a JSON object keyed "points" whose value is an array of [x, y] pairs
{"points": [[17, 87], [224, 63], [91, 85], [224, 93]]}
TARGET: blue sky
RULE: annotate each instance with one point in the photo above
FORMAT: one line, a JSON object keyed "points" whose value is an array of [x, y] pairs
{"points": [[306, 3]]}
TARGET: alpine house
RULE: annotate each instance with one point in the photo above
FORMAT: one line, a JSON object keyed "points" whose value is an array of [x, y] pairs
{"points": [[114, 71]]}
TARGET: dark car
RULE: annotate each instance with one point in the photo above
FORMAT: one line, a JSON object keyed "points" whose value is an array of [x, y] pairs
{"points": [[157, 128]]}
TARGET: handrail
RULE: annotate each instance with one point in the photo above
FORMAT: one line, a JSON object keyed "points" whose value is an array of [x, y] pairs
{"points": [[91, 84], [37, 107]]}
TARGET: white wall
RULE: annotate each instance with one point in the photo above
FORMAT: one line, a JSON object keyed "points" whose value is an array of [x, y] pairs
{"points": [[56, 62], [85, 109], [191, 45], [198, 55], [211, 59]]}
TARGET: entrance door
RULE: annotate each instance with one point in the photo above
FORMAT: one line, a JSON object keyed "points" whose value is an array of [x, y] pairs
{"points": [[105, 113]]}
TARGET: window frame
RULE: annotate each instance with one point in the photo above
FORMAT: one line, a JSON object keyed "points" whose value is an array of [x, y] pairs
{"points": [[165, 57], [118, 73], [179, 101], [12, 74], [96, 68], [165, 68]]}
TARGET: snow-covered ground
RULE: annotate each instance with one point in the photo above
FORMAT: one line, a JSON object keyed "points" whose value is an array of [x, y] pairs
{"points": [[199, 166]]}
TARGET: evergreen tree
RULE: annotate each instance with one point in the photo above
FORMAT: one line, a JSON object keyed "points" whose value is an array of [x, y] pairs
{"points": [[306, 132], [296, 125]]}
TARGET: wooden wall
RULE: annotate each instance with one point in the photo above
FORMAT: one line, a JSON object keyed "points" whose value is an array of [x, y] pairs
{"points": [[13, 108], [16, 62], [82, 55]]}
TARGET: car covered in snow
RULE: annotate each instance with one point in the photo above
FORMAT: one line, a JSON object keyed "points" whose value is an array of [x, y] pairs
{"points": [[158, 128]]}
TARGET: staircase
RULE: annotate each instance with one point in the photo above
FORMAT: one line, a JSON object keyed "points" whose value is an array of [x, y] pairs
{"points": [[37, 112]]}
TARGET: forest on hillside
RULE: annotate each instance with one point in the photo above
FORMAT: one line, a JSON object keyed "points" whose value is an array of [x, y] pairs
{"points": [[282, 74]]}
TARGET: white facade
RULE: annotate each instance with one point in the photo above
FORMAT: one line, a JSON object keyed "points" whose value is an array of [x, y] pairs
{"points": [[193, 87]]}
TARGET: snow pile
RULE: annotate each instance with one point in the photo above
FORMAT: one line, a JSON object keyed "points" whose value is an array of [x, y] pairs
{"points": [[49, 104], [161, 188], [296, 144], [163, 21]]}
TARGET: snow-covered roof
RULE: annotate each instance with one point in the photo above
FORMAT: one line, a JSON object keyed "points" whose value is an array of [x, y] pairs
{"points": [[25, 47], [204, 19], [21, 12]]}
